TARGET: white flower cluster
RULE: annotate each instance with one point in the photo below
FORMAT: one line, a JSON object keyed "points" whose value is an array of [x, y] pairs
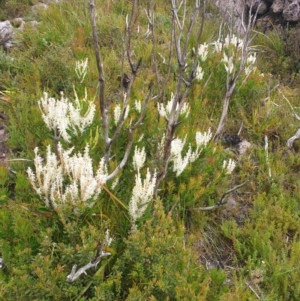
{"points": [[49, 179], [238, 44], [234, 41], [139, 158], [81, 69], [138, 105], [108, 239], [203, 139], [142, 192], [199, 73], [118, 111], [230, 40], [177, 145], [228, 63], [179, 163], [251, 59], [164, 111], [229, 166], [218, 46], [202, 51], [63, 116]]}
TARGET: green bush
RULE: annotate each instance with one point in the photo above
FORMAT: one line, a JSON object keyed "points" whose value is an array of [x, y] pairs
{"points": [[158, 264]]}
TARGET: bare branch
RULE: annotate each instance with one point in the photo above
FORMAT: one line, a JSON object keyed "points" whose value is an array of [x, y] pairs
{"points": [[221, 201], [183, 85], [130, 139], [175, 10], [232, 79], [240, 129], [291, 140], [253, 290], [125, 157], [294, 113], [127, 89], [101, 79], [150, 17], [92, 264]]}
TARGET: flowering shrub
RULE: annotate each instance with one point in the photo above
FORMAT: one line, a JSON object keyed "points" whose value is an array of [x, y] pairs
{"points": [[142, 192], [48, 180], [62, 116], [164, 111], [179, 163], [135, 128]]}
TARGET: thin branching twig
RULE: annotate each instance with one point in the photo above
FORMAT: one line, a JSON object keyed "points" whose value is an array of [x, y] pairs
{"points": [[92, 264], [231, 79], [180, 37], [221, 202], [109, 141]]}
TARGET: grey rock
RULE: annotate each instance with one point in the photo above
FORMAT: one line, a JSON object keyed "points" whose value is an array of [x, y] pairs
{"points": [[243, 147], [261, 6], [270, 12], [235, 9], [270, 21], [6, 33], [291, 11], [277, 6]]}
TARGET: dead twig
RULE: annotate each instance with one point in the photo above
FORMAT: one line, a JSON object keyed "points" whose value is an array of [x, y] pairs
{"points": [[291, 140], [92, 264], [294, 113], [180, 38], [233, 76], [221, 201], [127, 82], [101, 79]]}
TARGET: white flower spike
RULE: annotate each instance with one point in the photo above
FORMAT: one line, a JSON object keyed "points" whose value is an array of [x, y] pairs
{"points": [[64, 116], [82, 185]]}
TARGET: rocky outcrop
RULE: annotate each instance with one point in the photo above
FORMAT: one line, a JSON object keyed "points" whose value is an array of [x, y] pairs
{"points": [[291, 11], [277, 6], [233, 10], [259, 6], [268, 11], [7, 29], [6, 33]]}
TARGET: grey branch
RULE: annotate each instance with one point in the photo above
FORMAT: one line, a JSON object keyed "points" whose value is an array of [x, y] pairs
{"points": [[221, 202], [294, 113], [180, 39], [101, 79], [232, 79], [92, 264], [104, 105], [290, 141]]}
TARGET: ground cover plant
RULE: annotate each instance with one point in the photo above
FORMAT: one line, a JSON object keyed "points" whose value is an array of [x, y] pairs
{"points": [[126, 178]]}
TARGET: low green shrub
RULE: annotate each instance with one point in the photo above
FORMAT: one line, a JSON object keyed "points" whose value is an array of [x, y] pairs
{"points": [[158, 264]]}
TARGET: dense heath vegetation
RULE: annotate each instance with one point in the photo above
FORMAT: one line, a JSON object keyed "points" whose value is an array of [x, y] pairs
{"points": [[167, 248]]}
